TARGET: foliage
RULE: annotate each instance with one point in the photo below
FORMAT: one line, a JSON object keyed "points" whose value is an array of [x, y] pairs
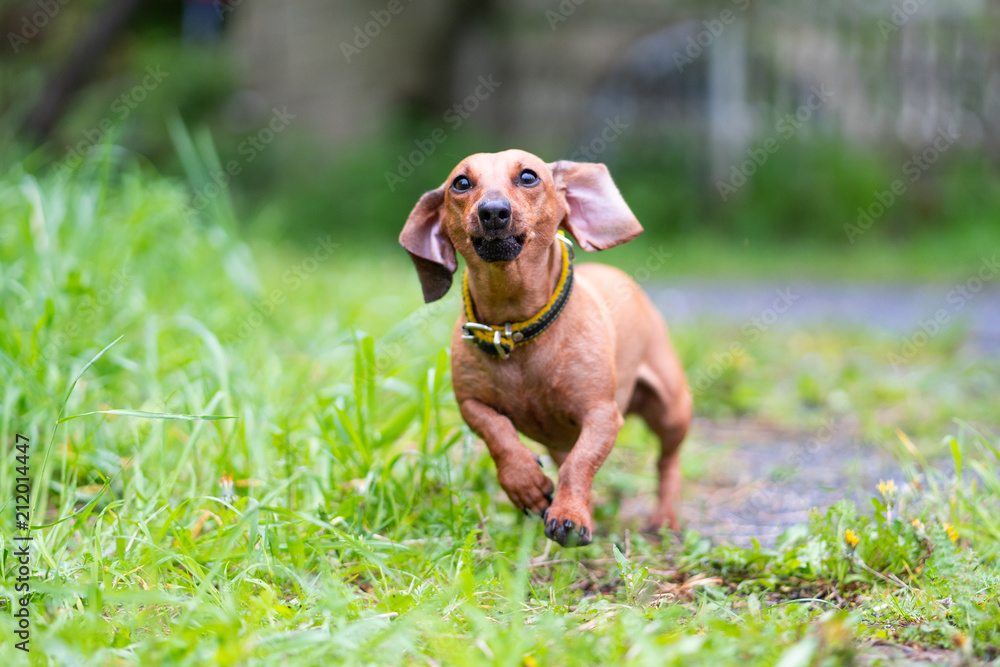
{"points": [[345, 515]]}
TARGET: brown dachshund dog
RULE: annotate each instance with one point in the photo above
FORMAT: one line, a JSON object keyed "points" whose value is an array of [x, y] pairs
{"points": [[557, 353]]}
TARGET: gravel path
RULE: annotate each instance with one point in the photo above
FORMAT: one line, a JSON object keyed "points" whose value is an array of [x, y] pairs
{"points": [[897, 309]]}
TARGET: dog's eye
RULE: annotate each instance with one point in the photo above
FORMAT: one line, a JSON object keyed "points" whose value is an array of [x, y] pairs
{"points": [[528, 177], [461, 183]]}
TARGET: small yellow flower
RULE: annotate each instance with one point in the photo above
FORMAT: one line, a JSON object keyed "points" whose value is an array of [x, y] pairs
{"points": [[886, 488], [918, 524], [530, 661], [952, 533], [851, 538]]}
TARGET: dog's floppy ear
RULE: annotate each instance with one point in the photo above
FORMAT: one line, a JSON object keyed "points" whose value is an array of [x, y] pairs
{"points": [[596, 214], [429, 246]]}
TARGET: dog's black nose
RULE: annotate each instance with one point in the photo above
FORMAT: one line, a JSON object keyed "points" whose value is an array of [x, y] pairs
{"points": [[494, 213]]}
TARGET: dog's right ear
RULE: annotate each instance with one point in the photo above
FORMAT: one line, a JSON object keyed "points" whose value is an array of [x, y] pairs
{"points": [[428, 244], [596, 214]]}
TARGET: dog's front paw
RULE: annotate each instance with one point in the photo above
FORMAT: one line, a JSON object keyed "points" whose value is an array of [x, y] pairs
{"points": [[526, 485], [569, 522]]}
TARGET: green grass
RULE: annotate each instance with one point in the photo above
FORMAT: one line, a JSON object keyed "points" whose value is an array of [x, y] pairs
{"points": [[365, 524]]}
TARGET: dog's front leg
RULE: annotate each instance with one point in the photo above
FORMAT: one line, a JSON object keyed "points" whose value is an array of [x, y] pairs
{"points": [[569, 521], [518, 469]]}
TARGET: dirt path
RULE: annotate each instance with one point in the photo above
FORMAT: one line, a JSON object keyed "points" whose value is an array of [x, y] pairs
{"points": [[767, 480], [761, 481]]}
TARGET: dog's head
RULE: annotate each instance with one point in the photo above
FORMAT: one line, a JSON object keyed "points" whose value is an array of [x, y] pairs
{"points": [[507, 207]]}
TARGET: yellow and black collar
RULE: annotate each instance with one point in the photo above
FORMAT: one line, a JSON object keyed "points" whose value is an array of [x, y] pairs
{"points": [[501, 341]]}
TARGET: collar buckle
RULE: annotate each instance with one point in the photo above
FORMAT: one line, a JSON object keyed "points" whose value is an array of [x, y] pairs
{"points": [[502, 352], [469, 326]]}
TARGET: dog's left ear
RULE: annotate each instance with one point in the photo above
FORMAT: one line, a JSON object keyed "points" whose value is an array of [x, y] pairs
{"points": [[596, 214], [429, 246]]}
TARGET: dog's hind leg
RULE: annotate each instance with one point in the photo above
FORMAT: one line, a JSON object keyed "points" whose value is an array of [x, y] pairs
{"points": [[661, 397]]}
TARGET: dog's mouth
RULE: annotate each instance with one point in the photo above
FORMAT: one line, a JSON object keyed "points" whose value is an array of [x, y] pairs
{"points": [[504, 249]]}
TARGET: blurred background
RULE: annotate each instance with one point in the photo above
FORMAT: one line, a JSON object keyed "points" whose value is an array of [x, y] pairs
{"points": [[221, 184], [199, 209], [756, 137]]}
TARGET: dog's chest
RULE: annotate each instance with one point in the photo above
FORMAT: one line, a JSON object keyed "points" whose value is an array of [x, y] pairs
{"points": [[537, 401]]}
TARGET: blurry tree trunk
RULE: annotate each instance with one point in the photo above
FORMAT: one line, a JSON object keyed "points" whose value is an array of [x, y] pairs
{"points": [[991, 113], [436, 89], [729, 117], [65, 83]]}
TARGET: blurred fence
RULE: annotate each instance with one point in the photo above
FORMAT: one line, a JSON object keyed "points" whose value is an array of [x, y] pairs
{"points": [[726, 72]]}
